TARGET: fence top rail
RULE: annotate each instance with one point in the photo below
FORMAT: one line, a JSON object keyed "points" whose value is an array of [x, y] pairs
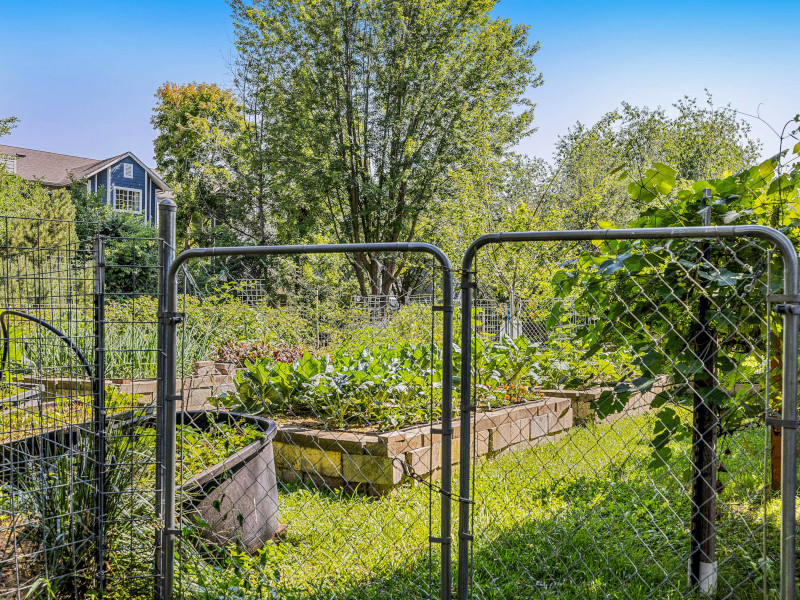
{"points": [[187, 255], [783, 243]]}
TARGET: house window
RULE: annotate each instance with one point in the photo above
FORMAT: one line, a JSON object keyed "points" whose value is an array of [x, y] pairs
{"points": [[9, 163], [128, 200], [127, 171]]}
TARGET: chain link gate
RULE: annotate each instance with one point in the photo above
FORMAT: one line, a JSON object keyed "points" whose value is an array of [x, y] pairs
{"points": [[250, 453], [652, 452]]}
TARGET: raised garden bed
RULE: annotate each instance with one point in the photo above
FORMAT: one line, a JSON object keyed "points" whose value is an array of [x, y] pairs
{"points": [[237, 497], [375, 462], [24, 395], [231, 490]]}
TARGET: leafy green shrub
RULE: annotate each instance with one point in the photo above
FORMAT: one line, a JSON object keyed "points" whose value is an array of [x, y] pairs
{"points": [[689, 309], [200, 449], [390, 386], [56, 495]]}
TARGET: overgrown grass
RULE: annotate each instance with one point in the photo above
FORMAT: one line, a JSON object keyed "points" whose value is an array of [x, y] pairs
{"points": [[582, 517]]}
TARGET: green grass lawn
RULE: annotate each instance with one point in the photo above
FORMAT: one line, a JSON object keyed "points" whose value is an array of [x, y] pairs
{"points": [[581, 517]]}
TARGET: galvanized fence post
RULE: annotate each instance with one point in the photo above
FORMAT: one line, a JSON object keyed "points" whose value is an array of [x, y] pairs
{"points": [[99, 404], [165, 372], [464, 536], [789, 433], [447, 427]]}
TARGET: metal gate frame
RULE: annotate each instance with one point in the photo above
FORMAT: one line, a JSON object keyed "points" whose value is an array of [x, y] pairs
{"points": [[169, 318], [790, 355]]}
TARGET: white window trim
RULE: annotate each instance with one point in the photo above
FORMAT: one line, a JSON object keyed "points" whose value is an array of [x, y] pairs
{"points": [[127, 189], [127, 167]]}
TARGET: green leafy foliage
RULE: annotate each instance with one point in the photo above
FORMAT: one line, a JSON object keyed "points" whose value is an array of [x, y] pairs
{"points": [[390, 385], [508, 371], [376, 385], [200, 449], [650, 291], [595, 163], [127, 241]]}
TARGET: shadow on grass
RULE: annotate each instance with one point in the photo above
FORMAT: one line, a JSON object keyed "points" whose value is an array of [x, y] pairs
{"points": [[546, 526], [338, 546], [618, 536]]}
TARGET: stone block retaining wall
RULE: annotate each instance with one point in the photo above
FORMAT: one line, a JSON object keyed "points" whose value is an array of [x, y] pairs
{"points": [[206, 380], [374, 462]]}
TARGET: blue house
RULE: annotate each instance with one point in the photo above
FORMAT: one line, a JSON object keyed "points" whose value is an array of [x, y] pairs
{"points": [[126, 183]]}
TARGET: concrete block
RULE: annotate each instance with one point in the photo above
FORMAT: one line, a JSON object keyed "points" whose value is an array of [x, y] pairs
{"points": [[225, 368], [404, 440], [337, 441], [377, 470], [320, 462], [541, 426], [203, 368], [481, 443], [509, 434], [423, 460], [287, 456]]}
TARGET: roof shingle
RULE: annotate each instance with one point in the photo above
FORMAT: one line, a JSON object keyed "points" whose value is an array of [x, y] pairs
{"points": [[51, 168]]}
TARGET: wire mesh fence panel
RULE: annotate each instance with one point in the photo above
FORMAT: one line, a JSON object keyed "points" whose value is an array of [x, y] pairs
{"points": [[379, 309], [632, 458], [130, 348], [309, 444], [49, 517]]}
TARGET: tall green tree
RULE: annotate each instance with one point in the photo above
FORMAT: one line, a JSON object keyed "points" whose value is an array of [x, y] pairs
{"points": [[593, 164], [372, 103], [201, 151]]}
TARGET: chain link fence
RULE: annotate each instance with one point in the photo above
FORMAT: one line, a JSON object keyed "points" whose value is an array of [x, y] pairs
{"points": [[625, 432], [640, 456]]}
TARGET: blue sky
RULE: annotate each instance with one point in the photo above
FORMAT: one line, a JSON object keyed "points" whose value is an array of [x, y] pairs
{"points": [[81, 75]]}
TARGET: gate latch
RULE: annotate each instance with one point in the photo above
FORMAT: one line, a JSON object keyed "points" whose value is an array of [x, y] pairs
{"points": [[787, 309]]}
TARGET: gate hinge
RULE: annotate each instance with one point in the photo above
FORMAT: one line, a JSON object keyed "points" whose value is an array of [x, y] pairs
{"points": [[789, 303], [787, 309], [444, 309], [782, 423], [439, 540], [171, 318]]}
